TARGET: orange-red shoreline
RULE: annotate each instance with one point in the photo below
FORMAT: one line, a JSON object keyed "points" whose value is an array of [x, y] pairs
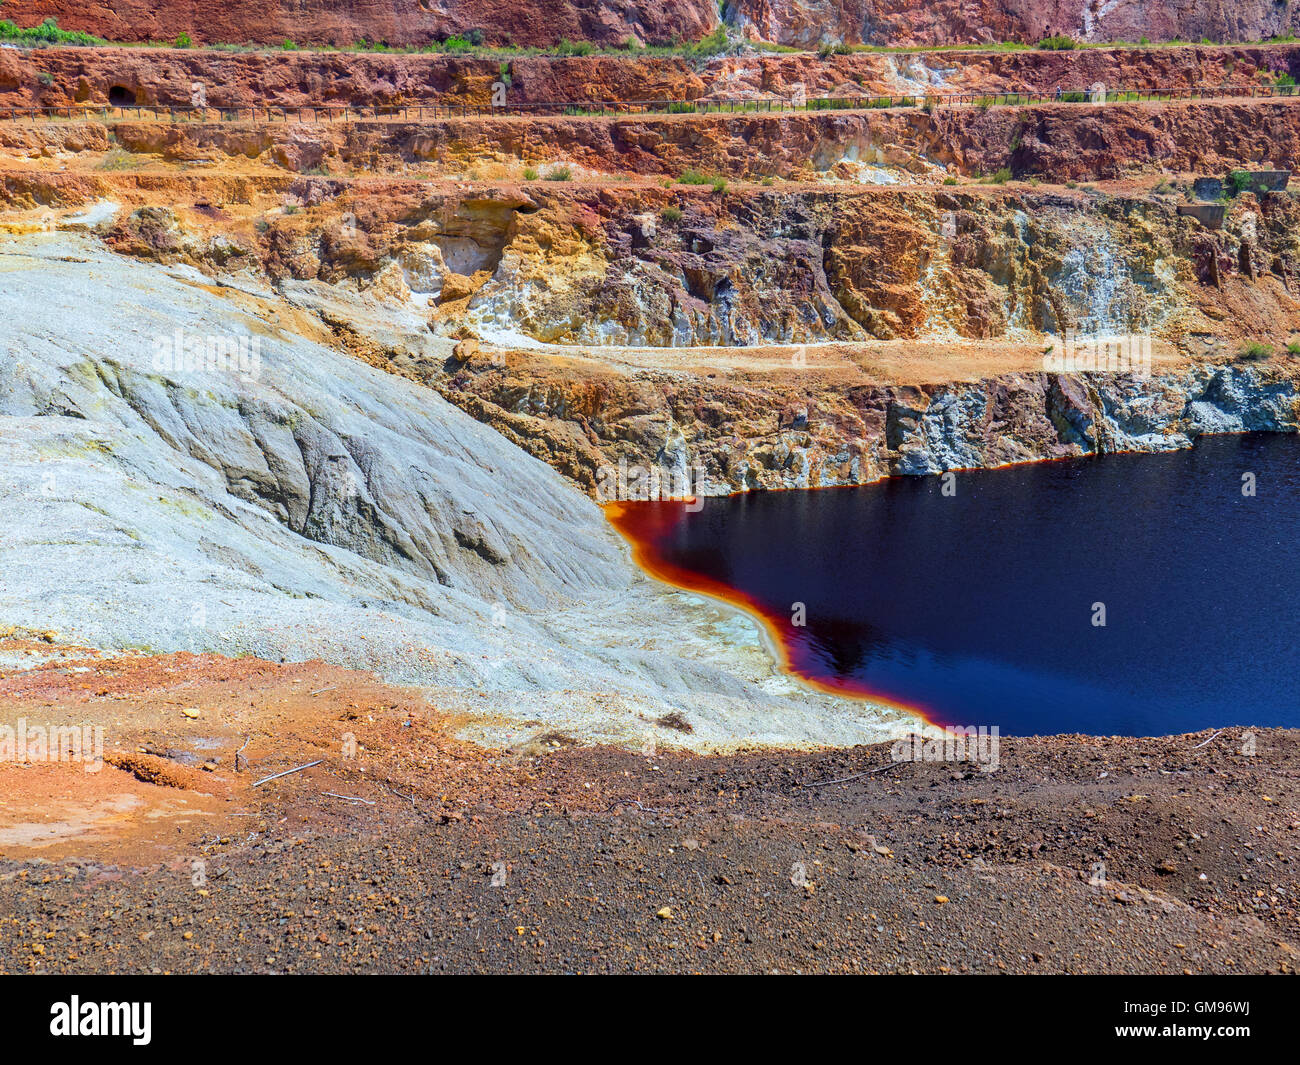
{"points": [[643, 537]]}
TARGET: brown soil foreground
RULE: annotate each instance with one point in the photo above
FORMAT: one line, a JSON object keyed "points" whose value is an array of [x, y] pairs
{"points": [[407, 850]]}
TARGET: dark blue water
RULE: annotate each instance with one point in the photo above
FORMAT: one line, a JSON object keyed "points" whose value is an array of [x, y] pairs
{"points": [[978, 609]]}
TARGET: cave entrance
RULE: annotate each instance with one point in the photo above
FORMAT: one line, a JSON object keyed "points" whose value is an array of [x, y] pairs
{"points": [[121, 96]]}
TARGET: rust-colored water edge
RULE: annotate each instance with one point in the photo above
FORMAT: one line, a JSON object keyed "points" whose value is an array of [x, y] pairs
{"points": [[648, 527]]}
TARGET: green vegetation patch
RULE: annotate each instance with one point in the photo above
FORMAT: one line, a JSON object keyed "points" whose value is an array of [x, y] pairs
{"points": [[47, 32]]}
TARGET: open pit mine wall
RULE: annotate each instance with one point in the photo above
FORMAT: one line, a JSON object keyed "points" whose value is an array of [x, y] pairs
{"points": [[878, 432], [583, 265], [1051, 144], [60, 77], [398, 23], [799, 23], [807, 23]]}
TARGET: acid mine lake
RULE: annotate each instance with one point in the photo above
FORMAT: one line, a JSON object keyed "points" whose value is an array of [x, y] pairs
{"points": [[1126, 594]]}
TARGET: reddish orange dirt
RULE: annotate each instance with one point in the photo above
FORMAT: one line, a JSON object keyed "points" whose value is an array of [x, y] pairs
{"points": [[173, 724]]}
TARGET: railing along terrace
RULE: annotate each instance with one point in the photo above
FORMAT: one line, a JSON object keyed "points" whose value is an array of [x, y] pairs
{"points": [[595, 108]]}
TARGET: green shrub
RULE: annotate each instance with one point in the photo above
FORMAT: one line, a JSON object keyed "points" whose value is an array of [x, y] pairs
{"points": [[183, 41], [694, 177], [950, 181], [568, 47], [1293, 348], [116, 159], [671, 214], [1058, 42], [289, 45], [47, 32], [559, 173], [1256, 351], [714, 43], [530, 173], [827, 49]]}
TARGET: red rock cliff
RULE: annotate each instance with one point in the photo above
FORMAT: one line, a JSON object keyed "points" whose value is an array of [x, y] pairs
{"points": [[394, 22], [610, 22], [925, 22]]}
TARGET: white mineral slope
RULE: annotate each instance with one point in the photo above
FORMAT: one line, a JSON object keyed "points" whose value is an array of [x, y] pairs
{"points": [[320, 508]]}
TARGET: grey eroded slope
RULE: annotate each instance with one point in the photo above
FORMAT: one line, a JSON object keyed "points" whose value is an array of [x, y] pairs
{"points": [[321, 508]]}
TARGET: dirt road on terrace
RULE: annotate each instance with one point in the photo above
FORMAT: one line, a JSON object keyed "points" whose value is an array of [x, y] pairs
{"points": [[406, 850]]}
